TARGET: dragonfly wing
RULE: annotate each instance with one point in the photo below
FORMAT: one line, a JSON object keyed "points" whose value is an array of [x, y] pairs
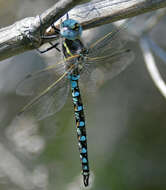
{"points": [[50, 103], [110, 42], [106, 57], [100, 69], [45, 98], [36, 82]]}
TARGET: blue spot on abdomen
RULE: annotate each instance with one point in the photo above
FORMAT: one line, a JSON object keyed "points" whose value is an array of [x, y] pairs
{"points": [[79, 108], [75, 94], [84, 150], [81, 124], [73, 84], [83, 138], [84, 160], [85, 168]]}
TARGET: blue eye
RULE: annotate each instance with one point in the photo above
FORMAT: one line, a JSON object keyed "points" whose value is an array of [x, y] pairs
{"points": [[76, 26], [71, 29]]}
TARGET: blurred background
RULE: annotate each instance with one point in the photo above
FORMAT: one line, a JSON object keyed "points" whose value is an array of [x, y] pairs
{"points": [[126, 121]]}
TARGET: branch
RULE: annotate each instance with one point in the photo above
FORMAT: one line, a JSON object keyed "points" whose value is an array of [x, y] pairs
{"points": [[57, 11], [25, 34], [95, 14], [152, 67]]}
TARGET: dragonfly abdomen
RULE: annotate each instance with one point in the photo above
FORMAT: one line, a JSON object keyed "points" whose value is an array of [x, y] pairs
{"points": [[80, 126]]}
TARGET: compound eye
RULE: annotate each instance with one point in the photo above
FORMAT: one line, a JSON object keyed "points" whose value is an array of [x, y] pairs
{"points": [[76, 26], [72, 27]]}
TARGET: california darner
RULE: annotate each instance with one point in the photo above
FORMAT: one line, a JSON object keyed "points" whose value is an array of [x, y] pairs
{"points": [[51, 85]]}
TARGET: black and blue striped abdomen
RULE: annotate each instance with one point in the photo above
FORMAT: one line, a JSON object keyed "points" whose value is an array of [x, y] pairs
{"points": [[80, 126], [71, 48]]}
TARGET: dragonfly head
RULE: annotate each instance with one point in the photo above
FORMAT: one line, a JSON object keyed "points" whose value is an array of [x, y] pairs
{"points": [[71, 29]]}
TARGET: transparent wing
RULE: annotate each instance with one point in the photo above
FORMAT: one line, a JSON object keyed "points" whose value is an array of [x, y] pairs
{"points": [[107, 57], [110, 42], [100, 69], [112, 65], [49, 102], [36, 82], [48, 89]]}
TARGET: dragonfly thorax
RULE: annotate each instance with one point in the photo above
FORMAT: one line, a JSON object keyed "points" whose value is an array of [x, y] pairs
{"points": [[71, 48]]}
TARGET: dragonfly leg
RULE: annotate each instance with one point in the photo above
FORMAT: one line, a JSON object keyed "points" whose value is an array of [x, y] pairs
{"points": [[55, 34], [33, 39], [51, 37], [48, 49], [56, 30]]}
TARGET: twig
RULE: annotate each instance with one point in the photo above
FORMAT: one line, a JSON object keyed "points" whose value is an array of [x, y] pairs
{"points": [[57, 11], [26, 34], [151, 66], [95, 14]]}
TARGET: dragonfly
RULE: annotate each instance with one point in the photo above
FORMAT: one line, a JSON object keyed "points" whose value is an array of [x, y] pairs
{"points": [[51, 85]]}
